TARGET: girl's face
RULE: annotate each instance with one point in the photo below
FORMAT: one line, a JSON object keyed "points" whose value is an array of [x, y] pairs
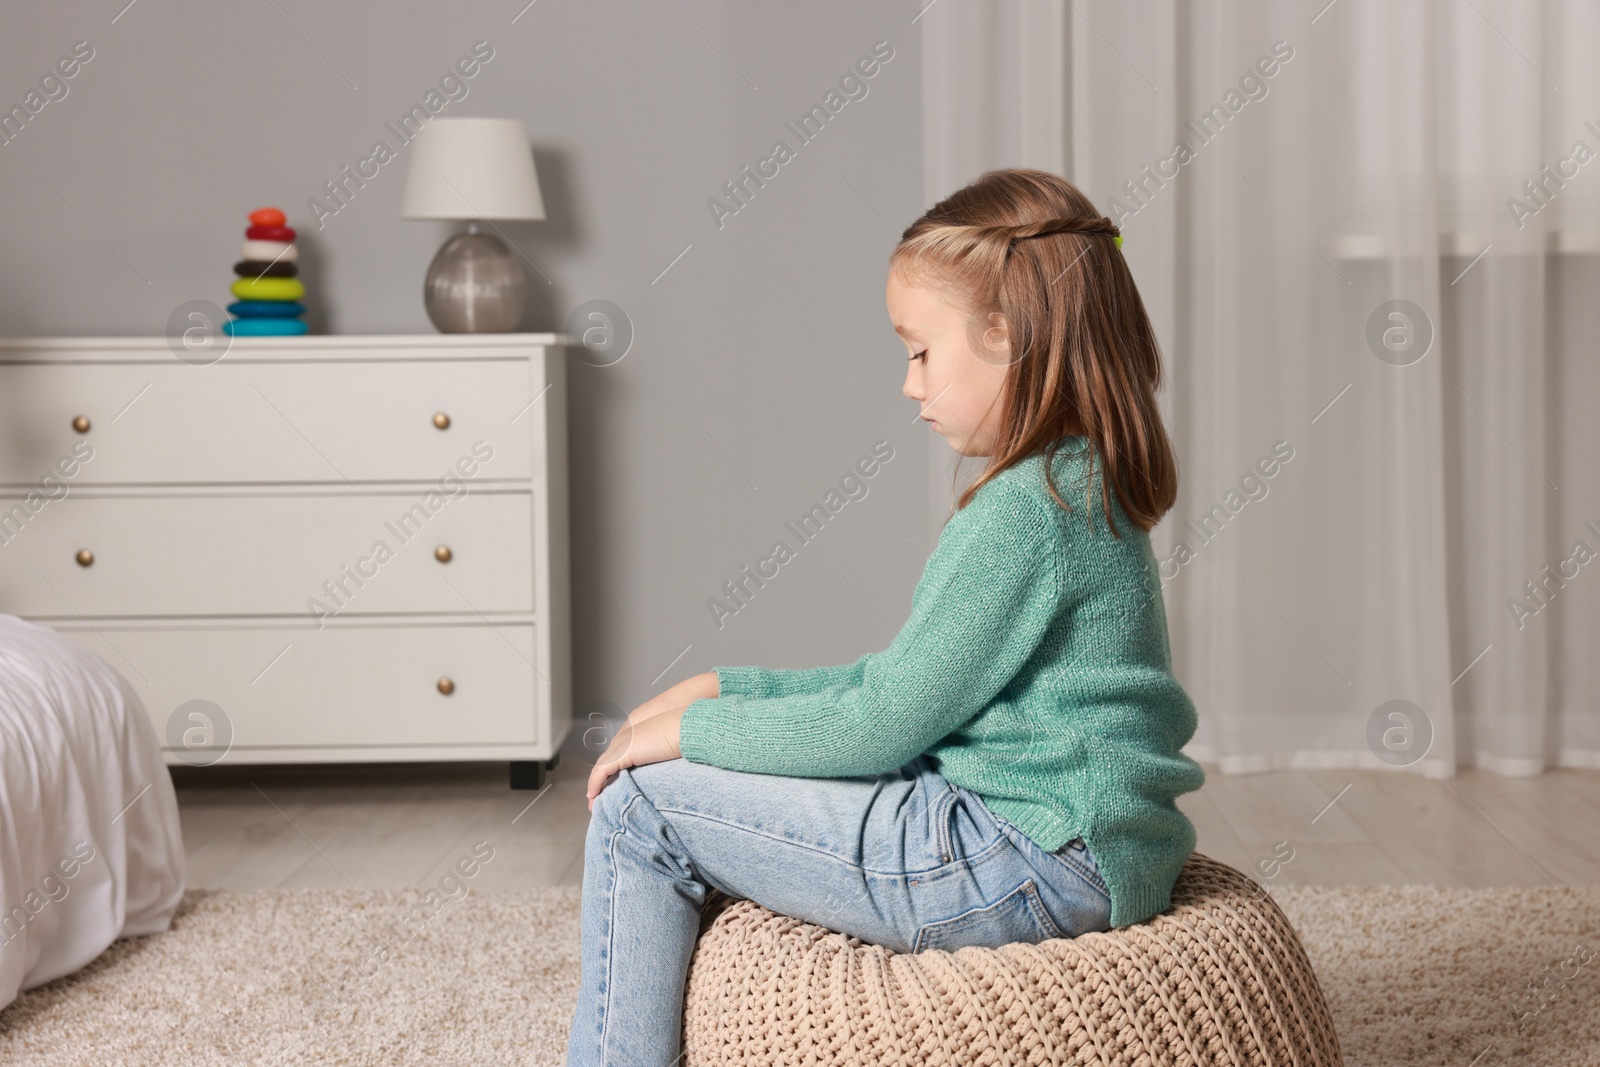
{"points": [[957, 388]]}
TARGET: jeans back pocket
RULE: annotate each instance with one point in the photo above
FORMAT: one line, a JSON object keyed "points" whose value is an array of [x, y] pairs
{"points": [[1015, 917]]}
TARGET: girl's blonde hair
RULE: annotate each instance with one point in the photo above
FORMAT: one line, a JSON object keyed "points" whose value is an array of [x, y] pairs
{"points": [[1027, 245]]}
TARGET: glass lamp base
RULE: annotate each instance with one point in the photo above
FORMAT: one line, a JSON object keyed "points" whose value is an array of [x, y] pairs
{"points": [[475, 285]]}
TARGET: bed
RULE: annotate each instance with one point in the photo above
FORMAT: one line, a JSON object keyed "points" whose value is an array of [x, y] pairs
{"points": [[90, 845]]}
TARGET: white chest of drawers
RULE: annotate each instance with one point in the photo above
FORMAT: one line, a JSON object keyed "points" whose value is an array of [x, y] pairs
{"points": [[315, 549]]}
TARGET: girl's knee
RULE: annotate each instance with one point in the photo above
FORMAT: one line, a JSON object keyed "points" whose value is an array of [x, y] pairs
{"points": [[613, 797], [638, 795], [664, 782], [649, 782]]}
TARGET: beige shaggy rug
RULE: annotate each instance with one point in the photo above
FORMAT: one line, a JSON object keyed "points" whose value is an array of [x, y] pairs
{"points": [[1413, 974]]}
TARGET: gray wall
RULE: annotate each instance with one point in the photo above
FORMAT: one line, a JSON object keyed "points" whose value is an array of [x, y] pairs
{"points": [[764, 364]]}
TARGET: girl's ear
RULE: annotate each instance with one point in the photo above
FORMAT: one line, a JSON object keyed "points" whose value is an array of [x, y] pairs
{"points": [[989, 337]]}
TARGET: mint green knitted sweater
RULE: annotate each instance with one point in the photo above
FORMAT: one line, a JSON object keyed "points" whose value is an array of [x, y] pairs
{"points": [[1034, 670]]}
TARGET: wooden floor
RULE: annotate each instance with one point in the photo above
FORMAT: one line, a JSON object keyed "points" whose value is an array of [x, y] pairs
{"points": [[394, 826]]}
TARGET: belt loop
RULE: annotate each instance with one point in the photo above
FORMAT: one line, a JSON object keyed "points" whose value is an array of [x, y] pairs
{"points": [[944, 814]]}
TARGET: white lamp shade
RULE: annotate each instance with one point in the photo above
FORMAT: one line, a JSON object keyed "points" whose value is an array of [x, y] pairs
{"points": [[472, 168]]}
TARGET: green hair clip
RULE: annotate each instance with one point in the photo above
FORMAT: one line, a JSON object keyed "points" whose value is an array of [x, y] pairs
{"points": [[1118, 239]]}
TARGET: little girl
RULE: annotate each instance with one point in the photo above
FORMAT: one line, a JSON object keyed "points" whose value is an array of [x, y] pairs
{"points": [[1005, 771]]}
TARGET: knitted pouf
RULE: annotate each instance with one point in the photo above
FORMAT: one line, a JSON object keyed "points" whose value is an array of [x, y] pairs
{"points": [[1218, 978]]}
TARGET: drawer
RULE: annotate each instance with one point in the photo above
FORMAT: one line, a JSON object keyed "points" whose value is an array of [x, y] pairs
{"points": [[290, 422], [306, 555], [355, 686]]}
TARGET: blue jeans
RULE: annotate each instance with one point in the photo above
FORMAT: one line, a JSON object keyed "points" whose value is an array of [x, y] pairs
{"points": [[906, 860]]}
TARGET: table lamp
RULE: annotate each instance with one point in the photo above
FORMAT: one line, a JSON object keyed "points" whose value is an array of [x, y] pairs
{"points": [[476, 169]]}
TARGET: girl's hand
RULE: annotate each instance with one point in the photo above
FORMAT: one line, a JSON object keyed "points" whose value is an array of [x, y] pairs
{"points": [[686, 692], [650, 740]]}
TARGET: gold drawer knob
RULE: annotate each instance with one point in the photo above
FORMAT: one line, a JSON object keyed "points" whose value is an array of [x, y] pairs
{"points": [[446, 686], [441, 420], [81, 424], [85, 557], [443, 554]]}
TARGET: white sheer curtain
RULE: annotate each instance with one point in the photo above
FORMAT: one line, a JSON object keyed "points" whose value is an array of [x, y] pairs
{"points": [[1430, 531]]}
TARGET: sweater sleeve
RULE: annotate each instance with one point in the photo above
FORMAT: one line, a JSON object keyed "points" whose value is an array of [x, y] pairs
{"points": [[774, 682], [987, 595]]}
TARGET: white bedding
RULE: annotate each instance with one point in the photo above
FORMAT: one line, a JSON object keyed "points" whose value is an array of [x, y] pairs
{"points": [[90, 846]]}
